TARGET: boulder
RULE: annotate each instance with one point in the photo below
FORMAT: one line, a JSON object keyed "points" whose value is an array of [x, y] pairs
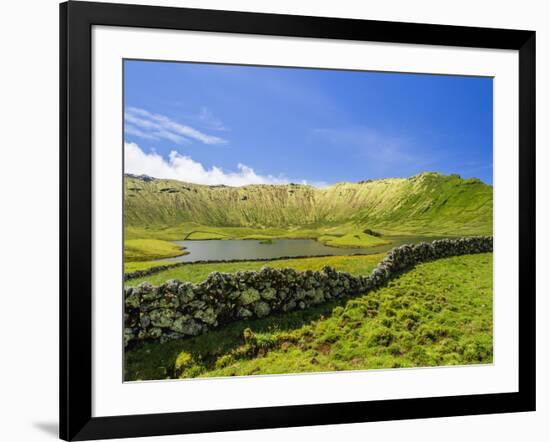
{"points": [[207, 316], [269, 294], [186, 326], [249, 296], [162, 317]]}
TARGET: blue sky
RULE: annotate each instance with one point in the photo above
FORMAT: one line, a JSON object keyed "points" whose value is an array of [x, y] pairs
{"points": [[235, 125]]}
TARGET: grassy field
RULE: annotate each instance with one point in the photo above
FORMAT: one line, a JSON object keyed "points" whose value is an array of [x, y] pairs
{"points": [[346, 234], [439, 313], [132, 266], [206, 235], [149, 249], [357, 265], [356, 239], [164, 233]]}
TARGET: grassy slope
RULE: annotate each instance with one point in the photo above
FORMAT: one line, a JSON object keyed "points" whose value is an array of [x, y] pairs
{"points": [[357, 265], [131, 266], [426, 203], [150, 249], [356, 239], [436, 314]]}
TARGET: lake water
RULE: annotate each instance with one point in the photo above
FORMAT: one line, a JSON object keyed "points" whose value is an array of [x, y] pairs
{"points": [[243, 249]]}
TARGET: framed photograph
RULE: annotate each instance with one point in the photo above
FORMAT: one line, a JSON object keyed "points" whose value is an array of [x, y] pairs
{"points": [[273, 220]]}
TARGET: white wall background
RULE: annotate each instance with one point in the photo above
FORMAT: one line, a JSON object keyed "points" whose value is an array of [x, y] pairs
{"points": [[29, 218]]}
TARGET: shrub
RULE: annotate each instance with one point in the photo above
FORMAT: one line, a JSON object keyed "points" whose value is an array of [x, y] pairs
{"points": [[183, 362]]}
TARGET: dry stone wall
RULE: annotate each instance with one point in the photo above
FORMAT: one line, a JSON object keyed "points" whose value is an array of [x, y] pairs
{"points": [[179, 309]]}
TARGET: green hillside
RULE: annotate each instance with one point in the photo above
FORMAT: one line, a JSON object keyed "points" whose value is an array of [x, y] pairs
{"points": [[428, 203]]}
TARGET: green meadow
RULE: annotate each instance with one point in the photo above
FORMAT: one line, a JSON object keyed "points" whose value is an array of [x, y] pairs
{"points": [[356, 265], [149, 249], [439, 313]]}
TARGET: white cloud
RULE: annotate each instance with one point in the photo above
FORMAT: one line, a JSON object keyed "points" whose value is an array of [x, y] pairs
{"points": [[183, 168], [148, 125]]}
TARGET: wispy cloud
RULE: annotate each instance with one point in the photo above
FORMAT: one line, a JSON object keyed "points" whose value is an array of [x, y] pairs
{"points": [[144, 124], [157, 134], [209, 120], [184, 168]]}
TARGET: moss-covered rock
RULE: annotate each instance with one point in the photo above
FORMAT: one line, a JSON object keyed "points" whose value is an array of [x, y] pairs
{"points": [[262, 309], [162, 317], [249, 296]]}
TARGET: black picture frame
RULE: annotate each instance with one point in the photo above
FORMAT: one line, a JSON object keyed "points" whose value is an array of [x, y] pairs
{"points": [[76, 21]]}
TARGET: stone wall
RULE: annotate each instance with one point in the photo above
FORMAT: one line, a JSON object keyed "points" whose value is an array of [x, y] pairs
{"points": [[178, 309]]}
